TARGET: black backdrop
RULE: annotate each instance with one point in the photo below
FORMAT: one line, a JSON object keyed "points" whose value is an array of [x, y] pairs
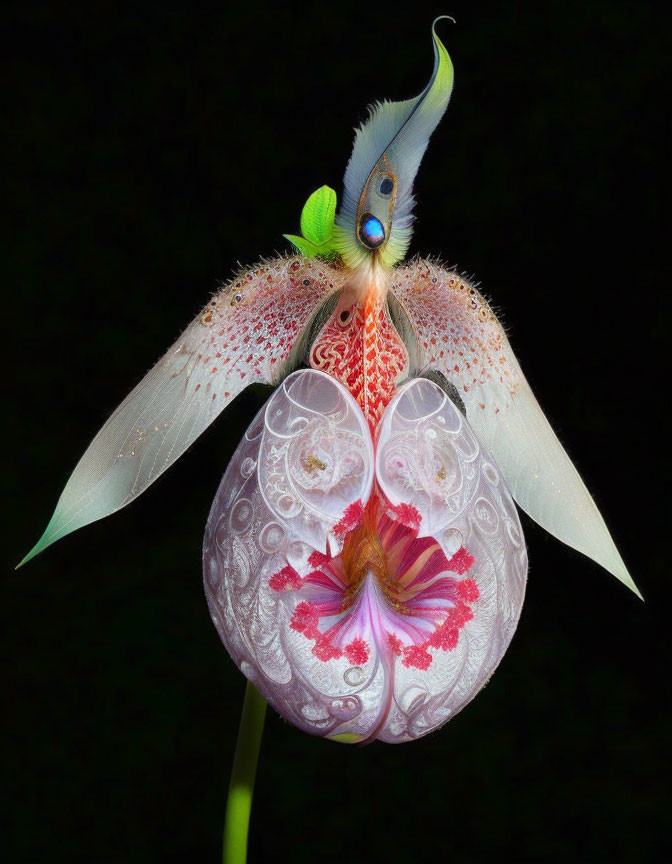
{"points": [[149, 150]]}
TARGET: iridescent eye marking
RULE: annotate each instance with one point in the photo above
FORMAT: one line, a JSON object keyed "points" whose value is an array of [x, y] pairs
{"points": [[386, 186], [371, 231]]}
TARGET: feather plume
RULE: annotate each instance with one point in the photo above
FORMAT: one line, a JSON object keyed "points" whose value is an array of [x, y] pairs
{"points": [[391, 143]]}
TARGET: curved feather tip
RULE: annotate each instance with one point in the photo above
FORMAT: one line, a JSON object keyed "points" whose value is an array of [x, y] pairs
{"points": [[376, 213]]}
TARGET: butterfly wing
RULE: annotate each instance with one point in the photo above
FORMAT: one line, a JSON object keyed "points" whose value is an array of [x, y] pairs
{"points": [[455, 332], [246, 334]]}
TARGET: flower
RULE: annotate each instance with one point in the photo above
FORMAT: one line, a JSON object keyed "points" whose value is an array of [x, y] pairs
{"points": [[337, 546]]}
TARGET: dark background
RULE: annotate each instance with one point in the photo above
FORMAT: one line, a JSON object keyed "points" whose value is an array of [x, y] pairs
{"points": [[149, 150]]}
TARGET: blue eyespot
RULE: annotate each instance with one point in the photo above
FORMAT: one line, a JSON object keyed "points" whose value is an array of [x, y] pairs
{"points": [[371, 231], [386, 186]]}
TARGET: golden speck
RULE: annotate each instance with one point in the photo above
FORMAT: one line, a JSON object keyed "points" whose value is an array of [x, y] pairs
{"points": [[312, 462]]}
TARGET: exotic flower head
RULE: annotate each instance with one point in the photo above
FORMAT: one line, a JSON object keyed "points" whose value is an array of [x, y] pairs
{"points": [[363, 559]]}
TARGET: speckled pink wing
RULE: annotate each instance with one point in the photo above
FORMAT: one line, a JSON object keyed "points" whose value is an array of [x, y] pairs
{"points": [[246, 334], [455, 332]]}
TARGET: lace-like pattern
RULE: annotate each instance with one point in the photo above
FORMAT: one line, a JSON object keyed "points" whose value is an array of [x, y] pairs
{"points": [[360, 347], [357, 629]]}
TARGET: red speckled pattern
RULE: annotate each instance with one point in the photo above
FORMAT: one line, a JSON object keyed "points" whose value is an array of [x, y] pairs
{"points": [[244, 335], [254, 322], [457, 333], [364, 352]]}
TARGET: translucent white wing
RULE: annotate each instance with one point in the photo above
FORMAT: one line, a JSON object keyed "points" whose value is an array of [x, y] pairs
{"points": [[244, 335], [456, 333]]}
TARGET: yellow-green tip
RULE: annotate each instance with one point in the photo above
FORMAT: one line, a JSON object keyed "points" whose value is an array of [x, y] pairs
{"points": [[346, 738], [48, 537]]}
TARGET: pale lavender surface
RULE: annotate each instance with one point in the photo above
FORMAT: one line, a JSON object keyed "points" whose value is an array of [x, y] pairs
{"points": [[271, 510]]}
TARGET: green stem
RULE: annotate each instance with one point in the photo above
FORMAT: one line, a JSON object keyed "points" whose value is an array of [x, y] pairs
{"points": [[241, 786]]}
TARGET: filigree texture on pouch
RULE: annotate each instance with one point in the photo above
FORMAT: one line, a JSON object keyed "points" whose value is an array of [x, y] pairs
{"points": [[365, 595]]}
